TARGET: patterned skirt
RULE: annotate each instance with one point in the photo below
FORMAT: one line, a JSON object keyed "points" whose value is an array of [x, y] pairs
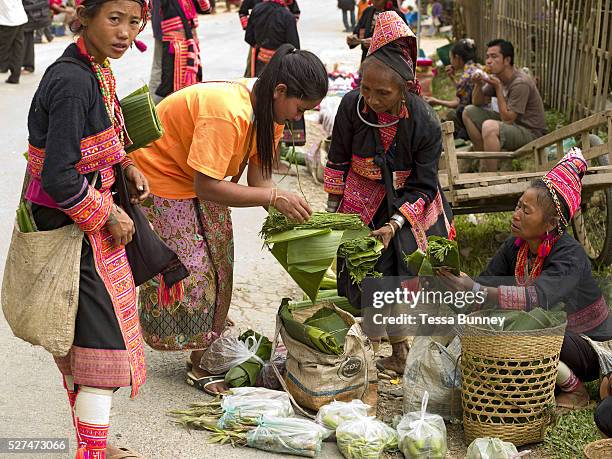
{"points": [[200, 233]]}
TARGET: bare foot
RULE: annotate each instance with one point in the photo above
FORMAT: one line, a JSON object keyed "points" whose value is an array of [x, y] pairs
{"points": [[605, 387], [573, 400], [198, 373]]}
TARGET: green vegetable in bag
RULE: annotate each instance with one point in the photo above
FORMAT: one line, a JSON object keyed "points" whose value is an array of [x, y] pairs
{"points": [[365, 438], [300, 437], [246, 373]]}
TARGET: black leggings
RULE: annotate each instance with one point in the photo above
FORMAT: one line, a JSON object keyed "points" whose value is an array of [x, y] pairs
{"points": [[579, 356]]}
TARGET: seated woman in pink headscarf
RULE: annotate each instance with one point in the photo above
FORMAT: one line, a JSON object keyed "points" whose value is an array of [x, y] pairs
{"points": [[541, 265]]}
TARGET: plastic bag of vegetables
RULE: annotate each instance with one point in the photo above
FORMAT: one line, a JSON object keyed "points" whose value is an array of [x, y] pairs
{"points": [[492, 448], [300, 437], [247, 404], [335, 413], [422, 435], [365, 438], [228, 352]]}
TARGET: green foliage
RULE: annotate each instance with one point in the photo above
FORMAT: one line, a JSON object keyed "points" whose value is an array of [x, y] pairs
{"points": [[571, 434]]}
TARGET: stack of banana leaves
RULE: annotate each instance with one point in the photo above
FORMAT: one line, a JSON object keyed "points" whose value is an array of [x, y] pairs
{"points": [[308, 250], [536, 319], [141, 120], [324, 330]]}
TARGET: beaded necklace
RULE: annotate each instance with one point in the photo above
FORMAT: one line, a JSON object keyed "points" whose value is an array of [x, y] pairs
{"points": [[108, 88], [523, 275]]}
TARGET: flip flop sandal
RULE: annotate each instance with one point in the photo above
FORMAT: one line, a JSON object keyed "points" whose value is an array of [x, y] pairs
{"points": [[204, 383], [605, 387], [126, 453]]}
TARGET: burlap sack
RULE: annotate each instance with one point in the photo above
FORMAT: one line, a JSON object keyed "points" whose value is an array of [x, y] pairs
{"points": [[40, 290], [315, 379]]}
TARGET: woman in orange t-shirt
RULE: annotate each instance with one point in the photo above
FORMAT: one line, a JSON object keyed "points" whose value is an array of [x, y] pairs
{"points": [[211, 131]]}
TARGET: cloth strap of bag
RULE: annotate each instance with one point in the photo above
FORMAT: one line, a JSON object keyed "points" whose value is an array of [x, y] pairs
{"points": [[283, 384]]}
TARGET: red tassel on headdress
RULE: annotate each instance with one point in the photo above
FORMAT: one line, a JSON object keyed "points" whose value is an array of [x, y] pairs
{"points": [[168, 296], [141, 45]]}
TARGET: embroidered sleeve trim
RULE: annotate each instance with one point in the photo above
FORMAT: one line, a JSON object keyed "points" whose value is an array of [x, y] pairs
{"points": [[511, 297], [92, 212], [333, 181], [126, 162], [70, 200], [413, 211]]}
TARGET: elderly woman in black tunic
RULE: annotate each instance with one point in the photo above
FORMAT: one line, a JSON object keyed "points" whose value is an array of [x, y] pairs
{"points": [[541, 265], [383, 162]]}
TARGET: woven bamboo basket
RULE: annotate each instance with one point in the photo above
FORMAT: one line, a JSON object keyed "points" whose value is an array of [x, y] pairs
{"points": [[600, 449], [508, 382]]}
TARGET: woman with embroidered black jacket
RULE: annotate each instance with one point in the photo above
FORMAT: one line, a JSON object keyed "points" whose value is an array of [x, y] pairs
{"points": [[383, 162], [75, 155], [542, 266]]}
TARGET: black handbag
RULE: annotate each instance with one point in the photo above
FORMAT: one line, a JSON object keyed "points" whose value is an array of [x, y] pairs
{"points": [[147, 254]]}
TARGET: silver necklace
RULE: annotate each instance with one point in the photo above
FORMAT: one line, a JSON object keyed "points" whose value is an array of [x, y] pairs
{"points": [[372, 124]]}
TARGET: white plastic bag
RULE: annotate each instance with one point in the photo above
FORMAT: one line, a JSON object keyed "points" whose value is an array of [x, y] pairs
{"points": [[267, 377], [432, 366], [335, 413], [247, 404], [422, 435], [300, 437], [365, 438], [228, 352], [493, 448]]}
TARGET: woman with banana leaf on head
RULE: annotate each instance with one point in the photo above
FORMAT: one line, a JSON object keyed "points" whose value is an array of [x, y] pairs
{"points": [[211, 132], [383, 162], [542, 266]]}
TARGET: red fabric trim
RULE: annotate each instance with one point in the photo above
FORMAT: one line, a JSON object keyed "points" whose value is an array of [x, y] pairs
{"points": [[589, 317], [400, 177], [92, 212], [366, 167], [126, 162], [361, 196], [511, 297], [333, 181], [264, 55], [96, 367], [93, 438], [244, 21]]}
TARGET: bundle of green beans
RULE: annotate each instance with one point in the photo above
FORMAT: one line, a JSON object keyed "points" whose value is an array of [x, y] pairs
{"points": [[278, 223], [360, 256]]}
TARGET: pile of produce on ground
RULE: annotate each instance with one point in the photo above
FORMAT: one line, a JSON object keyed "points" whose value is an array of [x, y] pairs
{"points": [[264, 419], [308, 250]]}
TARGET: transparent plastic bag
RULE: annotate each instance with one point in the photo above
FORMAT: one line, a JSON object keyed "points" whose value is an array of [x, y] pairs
{"points": [[365, 438], [493, 448], [335, 413], [267, 377], [228, 352], [422, 435], [300, 437], [247, 404]]}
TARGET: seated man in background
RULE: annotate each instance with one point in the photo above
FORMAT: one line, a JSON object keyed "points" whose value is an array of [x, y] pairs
{"points": [[521, 111]]}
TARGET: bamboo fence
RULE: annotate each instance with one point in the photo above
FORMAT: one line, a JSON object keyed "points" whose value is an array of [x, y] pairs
{"points": [[566, 44]]}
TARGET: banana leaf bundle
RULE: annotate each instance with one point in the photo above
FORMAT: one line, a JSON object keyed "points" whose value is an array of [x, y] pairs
{"points": [[24, 219], [278, 223], [441, 254], [536, 319], [360, 256], [141, 120], [325, 330], [308, 250], [246, 373]]}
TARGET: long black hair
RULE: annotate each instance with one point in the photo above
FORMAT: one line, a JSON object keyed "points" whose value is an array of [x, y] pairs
{"points": [[305, 77], [465, 49]]}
